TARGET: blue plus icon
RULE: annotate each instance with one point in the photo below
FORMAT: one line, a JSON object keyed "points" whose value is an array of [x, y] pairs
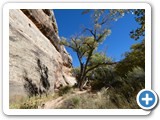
{"points": [[147, 99]]}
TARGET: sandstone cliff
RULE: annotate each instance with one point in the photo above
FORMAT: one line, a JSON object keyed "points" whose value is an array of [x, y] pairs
{"points": [[37, 62]]}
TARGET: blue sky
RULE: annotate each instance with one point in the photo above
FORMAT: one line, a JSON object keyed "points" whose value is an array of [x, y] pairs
{"points": [[70, 22]]}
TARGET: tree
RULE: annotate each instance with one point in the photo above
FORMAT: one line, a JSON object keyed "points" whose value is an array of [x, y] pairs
{"points": [[135, 58], [86, 46], [115, 14], [140, 18]]}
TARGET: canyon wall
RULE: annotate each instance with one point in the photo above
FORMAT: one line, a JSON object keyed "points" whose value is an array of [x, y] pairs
{"points": [[37, 62]]}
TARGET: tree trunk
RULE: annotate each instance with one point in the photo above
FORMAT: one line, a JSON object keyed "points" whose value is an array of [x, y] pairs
{"points": [[85, 82], [80, 83], [81, 77]]}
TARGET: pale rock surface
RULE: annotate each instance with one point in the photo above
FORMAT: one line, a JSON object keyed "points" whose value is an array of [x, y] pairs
{"points": [[37, 61]]}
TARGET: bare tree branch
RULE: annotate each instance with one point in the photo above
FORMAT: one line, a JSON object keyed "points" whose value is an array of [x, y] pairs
{"points": [[91, 31]]}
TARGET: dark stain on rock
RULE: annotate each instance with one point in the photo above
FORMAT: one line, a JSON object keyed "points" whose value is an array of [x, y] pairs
{"points": [[44, 82]]}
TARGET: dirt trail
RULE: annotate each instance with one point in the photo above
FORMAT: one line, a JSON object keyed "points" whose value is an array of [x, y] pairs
{"points": [[52, 104]]}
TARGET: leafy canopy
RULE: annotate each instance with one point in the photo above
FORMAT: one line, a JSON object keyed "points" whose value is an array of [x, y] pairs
{"points": [[135, 58], [85, 45]]}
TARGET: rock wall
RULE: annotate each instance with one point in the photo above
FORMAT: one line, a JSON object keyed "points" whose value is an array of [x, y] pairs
{"points": [[37, 62]]}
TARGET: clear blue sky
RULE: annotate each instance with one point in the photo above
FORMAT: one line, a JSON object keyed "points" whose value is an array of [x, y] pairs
{"points": [[70, 22]]}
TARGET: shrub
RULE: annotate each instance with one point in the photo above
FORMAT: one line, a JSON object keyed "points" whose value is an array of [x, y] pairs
{"points": [[71, 103], [32, 102], [29, 105], [104, 99], [97, 84], [137, 73], [121, 94], [102, 76], [76, 72], [136, 79], [64, 90]]}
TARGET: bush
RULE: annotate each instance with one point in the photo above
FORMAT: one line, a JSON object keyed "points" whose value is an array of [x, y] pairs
{"points": [[64, 90], [97, 84], [136, 79], [102, 76], [136, 74], [29, 105], [32, 102], [71, 103], [82, 101], [76, 72], [104, 99], [129, 86]]}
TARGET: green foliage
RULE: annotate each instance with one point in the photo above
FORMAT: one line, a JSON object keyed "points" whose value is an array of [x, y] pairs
{"points": [[76, 72], [31, 103], [120, 94], [64, 90], [71, 103], [127, 86], [97, 85], [136, 79], [135, 58], [120, 83], [115, 14], [104, 99], [99, 58], [140, 18], [102, 76], [86, 45], [63, 41], [132, 83], [136, 74]]}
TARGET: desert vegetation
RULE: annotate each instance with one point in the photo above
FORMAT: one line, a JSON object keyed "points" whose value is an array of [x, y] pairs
{"points": [[102, 82]]}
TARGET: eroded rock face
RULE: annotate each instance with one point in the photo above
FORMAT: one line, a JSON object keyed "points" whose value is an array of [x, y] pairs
{"points": [[38, 63]]}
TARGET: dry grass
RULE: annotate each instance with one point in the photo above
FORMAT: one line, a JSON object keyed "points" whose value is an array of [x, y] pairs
{"points": [[104, 99], [32, 103], [35, 102]]}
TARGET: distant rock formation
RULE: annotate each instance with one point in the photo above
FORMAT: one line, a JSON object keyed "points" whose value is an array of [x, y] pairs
{"points": [[37, 62]]}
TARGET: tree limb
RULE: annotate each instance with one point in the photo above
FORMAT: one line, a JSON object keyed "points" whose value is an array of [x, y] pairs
{"points": [[91, 31], [109, 63]]}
